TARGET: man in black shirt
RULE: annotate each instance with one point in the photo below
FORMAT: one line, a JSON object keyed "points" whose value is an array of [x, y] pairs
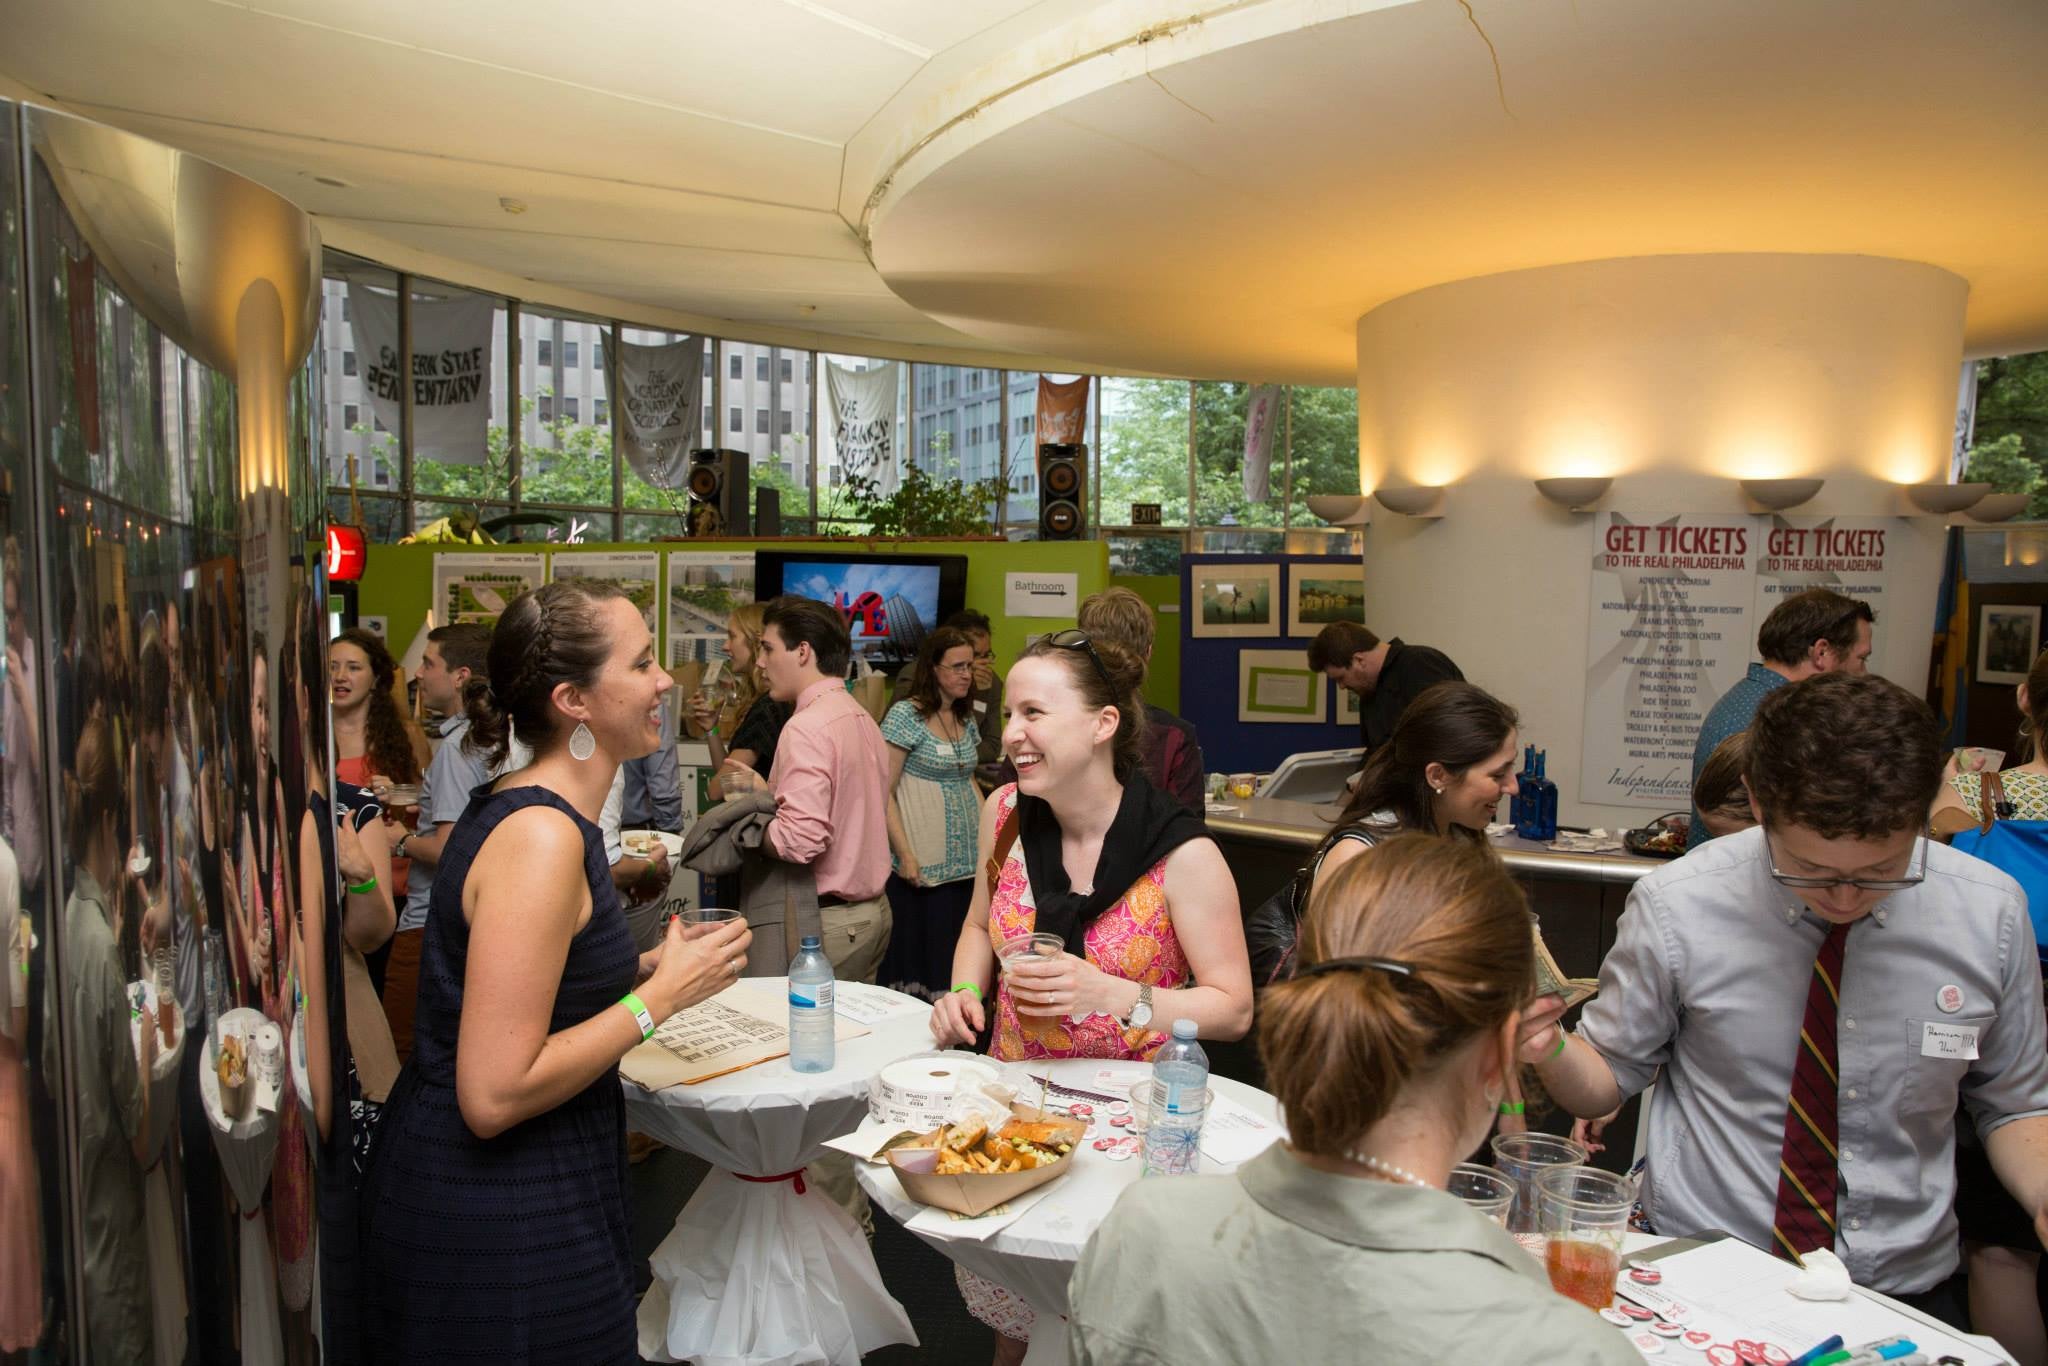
{"points": [[1386, 674]]}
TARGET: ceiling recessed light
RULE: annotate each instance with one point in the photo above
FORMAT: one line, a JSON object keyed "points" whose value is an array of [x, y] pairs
{"points": [[510, 205]]}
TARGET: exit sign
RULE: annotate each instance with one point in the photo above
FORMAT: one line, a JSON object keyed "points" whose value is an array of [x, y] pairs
{"points": [[1144, 514]]}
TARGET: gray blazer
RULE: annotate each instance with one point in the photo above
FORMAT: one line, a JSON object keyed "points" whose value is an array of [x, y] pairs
{"points": [[773, 894]]}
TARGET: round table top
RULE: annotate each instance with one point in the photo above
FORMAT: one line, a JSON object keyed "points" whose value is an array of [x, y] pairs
{"points": [[903, 1031], [1059, 1226]]}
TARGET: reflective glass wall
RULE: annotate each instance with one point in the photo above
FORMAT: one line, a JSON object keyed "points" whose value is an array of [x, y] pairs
{"points": [[175, 1117]]}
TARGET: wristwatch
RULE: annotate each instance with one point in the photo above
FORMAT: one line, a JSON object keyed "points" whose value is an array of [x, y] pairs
{"points": [[1141, 1013], [398, 849]]}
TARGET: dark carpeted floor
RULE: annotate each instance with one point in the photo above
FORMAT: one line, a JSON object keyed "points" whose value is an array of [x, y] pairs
{"points": [[919, 1278]]}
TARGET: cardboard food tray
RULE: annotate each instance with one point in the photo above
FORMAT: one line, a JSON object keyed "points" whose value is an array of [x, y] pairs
{"points": [[971, 1195]]}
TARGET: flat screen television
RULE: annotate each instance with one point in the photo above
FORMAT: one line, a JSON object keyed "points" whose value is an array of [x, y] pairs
{"points": [[891, 602]]}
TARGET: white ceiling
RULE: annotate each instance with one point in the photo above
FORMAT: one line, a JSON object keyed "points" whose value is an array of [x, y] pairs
{"points": [[1211, 190]]}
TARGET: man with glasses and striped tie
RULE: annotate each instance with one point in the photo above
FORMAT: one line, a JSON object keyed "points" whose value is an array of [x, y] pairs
{"points": [[1819, 993]]}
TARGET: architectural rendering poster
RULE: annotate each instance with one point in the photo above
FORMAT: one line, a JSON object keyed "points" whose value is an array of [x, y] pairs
{"points": [[479, 587], [636, 572], [703, 588]]}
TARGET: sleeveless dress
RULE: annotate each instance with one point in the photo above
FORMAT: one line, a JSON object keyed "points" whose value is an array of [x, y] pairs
{"points": [[1133, 939], [514, 1248]]}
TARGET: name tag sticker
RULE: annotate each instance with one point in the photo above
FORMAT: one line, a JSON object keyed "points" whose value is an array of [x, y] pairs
{"points": [[1948, 1041], [981, 707]]}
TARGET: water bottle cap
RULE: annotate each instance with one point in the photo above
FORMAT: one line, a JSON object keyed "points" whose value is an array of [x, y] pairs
{"points": [[1183, 1029], [812, 941]]}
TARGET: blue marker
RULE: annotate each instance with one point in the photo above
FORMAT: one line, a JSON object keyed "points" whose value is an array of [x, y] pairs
{"points": [[1807, 1357]]}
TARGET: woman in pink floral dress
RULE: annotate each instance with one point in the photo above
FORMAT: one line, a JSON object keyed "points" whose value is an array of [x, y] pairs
{"points": [[1082, 846]]}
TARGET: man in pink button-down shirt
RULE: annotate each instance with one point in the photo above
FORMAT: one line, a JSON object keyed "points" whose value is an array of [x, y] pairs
{"points": [[830, 782]]}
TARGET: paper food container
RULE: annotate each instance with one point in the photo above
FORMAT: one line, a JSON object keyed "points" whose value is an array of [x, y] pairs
{"points": [[971, 1195]]}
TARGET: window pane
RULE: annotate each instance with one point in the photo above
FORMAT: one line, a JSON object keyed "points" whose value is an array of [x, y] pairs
{"points": [[1136, 554], [1325, 448], [352, 433], [1260, 542], [425, 510], [1144, 448], [569, 353], [1220, 498], [563, 458], [652, 526], [453, 457], [348, 362], [954, 433]]}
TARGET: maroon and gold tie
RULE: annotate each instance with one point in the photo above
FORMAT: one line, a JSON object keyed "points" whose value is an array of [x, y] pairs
{"points": [[1808, 1177]]}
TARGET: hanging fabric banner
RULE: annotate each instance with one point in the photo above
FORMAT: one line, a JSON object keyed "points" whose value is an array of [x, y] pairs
{"points": [[451, 370], [82, 304], [1261, 416], [660, 405], [1062, 412], [863, 415]]}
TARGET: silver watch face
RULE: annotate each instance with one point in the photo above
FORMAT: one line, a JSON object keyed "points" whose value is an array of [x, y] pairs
{"points": [[1141, 1013]]}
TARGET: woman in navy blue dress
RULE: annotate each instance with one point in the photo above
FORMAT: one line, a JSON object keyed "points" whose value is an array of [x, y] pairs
{"points": [[495, 1198]]}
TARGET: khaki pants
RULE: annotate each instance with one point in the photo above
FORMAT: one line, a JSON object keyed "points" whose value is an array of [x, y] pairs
{"points": [[856, 935], [402, 987]]}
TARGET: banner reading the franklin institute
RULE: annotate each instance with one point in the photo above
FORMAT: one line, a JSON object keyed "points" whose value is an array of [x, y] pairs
{"points": [[450, 370], [863, 415], [1670, 631]]}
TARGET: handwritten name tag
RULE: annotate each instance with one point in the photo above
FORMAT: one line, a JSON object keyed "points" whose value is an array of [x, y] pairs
{"points": [[1948, 1041], [981, 706]]}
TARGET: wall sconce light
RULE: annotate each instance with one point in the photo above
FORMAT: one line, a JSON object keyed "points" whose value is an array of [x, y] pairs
{"points": [[1775, 495], [1341, 509], [1999, 507], [1575, 495], [1940, 500], [1412, 500]]}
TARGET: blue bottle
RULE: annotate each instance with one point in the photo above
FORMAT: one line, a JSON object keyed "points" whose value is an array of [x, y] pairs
{"points": [[1545, 802], [1173, 1128], [811, 1019], [1518, 805]]}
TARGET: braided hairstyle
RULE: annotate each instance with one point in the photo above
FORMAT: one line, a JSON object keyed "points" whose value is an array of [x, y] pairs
{"points": [[553, 635]]}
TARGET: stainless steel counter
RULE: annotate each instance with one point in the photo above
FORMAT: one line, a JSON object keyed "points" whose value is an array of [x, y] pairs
{"points": [[1266, 820]]}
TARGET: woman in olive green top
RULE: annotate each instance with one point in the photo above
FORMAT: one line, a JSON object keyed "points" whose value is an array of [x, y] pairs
{"points": [[1388, 1052]]}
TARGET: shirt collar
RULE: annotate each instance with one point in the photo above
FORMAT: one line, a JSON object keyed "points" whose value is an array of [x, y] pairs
{"points": [[1376, 1215], [818, 690], [450, 725]]}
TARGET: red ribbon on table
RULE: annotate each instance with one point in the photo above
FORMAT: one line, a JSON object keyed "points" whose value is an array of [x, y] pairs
{"points": [[796, 1176]]}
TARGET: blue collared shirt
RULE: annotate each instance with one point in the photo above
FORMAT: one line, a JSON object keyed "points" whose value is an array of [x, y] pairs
{"points": [[1729, 716], [456, 772], [1707, 984]]}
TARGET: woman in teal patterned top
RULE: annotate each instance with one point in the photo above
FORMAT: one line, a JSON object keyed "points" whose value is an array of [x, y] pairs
{"points": [[934, 814]]}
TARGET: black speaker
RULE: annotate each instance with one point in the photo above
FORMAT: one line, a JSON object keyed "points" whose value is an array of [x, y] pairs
{"points": [[1062, 486], [767, 511], [717, 483]]}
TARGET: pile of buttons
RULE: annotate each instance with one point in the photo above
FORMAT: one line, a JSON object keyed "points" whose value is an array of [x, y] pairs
{"points": [[1109, 1126], [1650, 1330]]}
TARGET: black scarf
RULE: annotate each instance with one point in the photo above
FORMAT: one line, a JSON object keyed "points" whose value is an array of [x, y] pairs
{"points": [[1149, 825]]}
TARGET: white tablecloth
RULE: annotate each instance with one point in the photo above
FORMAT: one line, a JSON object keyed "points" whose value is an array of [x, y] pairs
{"points": [[248, 1147], [160, 1223], [753, 1272], [1035, 1256]]}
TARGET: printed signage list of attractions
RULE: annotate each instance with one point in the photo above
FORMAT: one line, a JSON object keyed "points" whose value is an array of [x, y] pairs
{"points": [[1675, 608]]}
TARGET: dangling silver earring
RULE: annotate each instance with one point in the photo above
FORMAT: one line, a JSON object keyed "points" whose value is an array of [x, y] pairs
{"points": [[582, 744]]}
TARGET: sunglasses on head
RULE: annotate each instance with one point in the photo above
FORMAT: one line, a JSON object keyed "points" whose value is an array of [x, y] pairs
{"points": [[1078, 640]]}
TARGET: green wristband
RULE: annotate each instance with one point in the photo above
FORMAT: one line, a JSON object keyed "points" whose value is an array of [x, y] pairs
{"points": [[1558, 1052], [969, 986], [359, 889], [632, 1002], [1514, 1107]]}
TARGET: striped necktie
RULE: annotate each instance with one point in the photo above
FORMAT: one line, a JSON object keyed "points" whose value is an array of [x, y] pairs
{"points": [[1808, 1178]]}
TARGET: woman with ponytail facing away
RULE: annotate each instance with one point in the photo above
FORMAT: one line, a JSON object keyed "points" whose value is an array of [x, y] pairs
{"points": [[496, 1189], [1388, 1052]]}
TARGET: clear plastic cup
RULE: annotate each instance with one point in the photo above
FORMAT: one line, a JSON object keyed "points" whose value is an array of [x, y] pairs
{"points": [[699, 920], [1141, 1105], [1244, 786], [1584, 1218], [1521, 1158], [1028, 946], [1484, 1189]]}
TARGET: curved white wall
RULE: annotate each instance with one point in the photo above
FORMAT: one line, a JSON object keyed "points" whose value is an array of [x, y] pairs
{"points": [[1678, 375]]}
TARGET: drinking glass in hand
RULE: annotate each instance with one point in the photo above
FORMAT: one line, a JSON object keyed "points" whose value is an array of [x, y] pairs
{"points": [[1025, 948]]}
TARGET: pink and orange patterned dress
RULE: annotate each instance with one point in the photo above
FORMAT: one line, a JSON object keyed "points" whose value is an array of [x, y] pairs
{"points": [[1133, 939]]}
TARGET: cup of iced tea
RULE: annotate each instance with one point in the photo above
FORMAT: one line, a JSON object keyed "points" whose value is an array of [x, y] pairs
{"points": [[1584, 1216], [1482, 1189], [1521, 1158], [1025, 948]]}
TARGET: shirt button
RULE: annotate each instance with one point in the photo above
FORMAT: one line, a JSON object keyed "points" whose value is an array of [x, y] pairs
{"points": [[1849, 1094], [1848, 1156], [1855, 1223], [1848, 1024]]}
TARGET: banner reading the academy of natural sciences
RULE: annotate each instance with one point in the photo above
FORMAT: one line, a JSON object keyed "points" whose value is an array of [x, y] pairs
{"points": [[1670, 631]]}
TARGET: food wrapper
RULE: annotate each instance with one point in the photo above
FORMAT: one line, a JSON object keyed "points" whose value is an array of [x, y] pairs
{"points": [[916, 1167]]}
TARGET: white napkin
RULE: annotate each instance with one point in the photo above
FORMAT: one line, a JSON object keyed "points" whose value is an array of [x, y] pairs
{"points": [[1824, 1277]]}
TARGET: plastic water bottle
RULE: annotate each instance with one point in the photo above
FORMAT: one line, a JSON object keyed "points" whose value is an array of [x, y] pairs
{"points": [[810, 1008], [1173, 1130]]}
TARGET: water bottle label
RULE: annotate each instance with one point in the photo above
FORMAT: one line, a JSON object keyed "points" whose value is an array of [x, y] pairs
{"points": [[820, 997]]}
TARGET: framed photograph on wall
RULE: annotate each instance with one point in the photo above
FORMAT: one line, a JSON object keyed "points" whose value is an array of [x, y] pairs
{"points": [[1234, 600], [1279, 686], [1347, 707], [2008, 638], [1319, 594]]}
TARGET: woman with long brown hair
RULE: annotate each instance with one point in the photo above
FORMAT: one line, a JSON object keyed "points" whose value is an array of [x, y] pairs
{"points": [[374, 748], [1389, 1052]]}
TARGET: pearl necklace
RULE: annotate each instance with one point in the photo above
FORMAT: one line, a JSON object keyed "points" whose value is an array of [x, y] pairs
{"points": [[1387, 1170]]}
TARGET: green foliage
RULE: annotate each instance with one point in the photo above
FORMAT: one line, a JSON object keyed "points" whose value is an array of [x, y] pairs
{"points": [[921, 506], [2012, 427]]}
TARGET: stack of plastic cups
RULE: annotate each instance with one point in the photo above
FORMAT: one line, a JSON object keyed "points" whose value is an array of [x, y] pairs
{"points": [[1522, 1158]]}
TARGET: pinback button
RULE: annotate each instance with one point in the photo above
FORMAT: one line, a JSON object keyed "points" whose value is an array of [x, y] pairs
{"points": [[1721, 1354], [1774, 1355], [1119, 1107], [1949, 998], [1667, 1330], [1103, 1145], [1644, 1276], [1119, 1154], [1677, 1313], [1120, 1121], [1617, 1318], [1638, 1313], [1081, 1111], [1697, 1340], [1749, 1353], [1646, 1344]]}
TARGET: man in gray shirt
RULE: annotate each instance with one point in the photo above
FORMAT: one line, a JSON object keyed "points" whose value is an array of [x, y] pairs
{"points": [[1813, 997], [453, 656]]}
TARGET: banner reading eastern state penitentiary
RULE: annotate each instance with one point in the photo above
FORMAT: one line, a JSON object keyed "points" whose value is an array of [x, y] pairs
{"points": [[660, 393], [451, 370], [1670, 631], [1846, 554]]}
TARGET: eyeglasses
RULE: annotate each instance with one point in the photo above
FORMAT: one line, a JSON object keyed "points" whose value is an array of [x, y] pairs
{"points": [[1078, 640], [1867, 884]]}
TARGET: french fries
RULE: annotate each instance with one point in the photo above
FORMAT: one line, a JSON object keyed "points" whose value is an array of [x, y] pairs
{"points": [[969, 1149]]}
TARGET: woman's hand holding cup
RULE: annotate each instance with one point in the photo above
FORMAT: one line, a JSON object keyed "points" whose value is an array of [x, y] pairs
{"points": [[695, 968]]}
